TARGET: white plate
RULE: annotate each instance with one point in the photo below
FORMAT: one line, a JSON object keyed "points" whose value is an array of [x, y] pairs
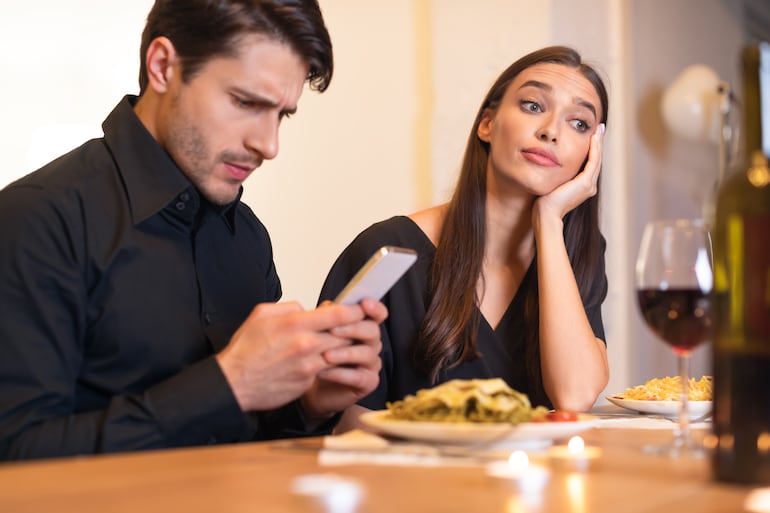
{"points": [[527, 434], [666, 408]]}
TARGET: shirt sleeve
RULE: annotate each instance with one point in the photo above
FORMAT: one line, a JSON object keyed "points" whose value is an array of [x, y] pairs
{"points": [[42, 341]]}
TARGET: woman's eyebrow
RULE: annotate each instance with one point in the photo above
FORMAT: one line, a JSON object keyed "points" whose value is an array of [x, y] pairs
{"points": [[585, 103], [538, 84], [549, 88]]}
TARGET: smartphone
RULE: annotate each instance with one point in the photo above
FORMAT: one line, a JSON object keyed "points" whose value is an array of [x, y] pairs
{"points": [[377, 275]]}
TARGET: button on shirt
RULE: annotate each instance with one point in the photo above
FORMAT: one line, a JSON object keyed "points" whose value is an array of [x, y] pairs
{"points": [[118, 284]]}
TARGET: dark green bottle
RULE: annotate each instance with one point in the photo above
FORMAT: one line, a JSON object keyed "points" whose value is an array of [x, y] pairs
{"points": [[741, 238]]}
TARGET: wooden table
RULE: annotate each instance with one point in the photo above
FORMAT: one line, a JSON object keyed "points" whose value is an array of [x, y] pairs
{"points": [[259, 476]]}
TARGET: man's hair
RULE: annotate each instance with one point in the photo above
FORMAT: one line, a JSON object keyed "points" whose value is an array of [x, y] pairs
{"points": [[204, 29]]}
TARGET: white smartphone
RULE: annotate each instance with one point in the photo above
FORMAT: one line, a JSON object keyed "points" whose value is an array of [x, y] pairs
{"points": [[377, 275]]}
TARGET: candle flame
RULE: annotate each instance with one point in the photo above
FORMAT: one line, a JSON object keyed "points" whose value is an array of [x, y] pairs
{"points": [[576, 445], [758, 500], [518, 460]]}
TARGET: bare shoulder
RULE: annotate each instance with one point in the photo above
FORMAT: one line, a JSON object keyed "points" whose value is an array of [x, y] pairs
{"points": [[430, 221]]}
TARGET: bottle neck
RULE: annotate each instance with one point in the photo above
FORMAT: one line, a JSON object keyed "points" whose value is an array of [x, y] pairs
{"points": [[756, 97]]}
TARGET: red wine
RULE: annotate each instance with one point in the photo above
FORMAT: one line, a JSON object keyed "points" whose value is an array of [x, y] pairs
{"points": [[681, 317]]}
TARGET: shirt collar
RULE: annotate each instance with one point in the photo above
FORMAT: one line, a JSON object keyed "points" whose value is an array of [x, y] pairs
{"points": [[151, 177], [228, 212]]}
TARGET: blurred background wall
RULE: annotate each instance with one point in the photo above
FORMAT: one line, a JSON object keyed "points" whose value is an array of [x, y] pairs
{"points": [[388, 135]]}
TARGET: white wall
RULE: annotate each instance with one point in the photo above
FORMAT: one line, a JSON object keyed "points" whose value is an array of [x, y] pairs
{"points": [[347, 157], [65, 66], [671, 177], [387, 137]]}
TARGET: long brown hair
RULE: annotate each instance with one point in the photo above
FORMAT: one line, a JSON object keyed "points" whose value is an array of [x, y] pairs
{"points": [[448, 333]]}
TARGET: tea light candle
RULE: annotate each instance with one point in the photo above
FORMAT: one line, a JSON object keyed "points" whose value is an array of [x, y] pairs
{"points": [[575, 456], [330, 492], [517, 469]]}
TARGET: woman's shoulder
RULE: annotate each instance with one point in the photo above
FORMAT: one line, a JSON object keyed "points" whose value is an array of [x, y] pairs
{"points": [[429, 221], [401, 230]]}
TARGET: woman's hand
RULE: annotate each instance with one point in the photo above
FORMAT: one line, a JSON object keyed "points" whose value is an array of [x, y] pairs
{"points": [[569, 195]]}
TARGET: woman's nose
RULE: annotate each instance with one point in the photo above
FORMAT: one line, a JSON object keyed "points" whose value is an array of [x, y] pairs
{"points": [[546, 134], [548, 130]]}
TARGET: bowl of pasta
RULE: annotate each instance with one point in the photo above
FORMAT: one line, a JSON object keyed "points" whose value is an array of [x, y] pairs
{"points": [[475, 411], [660, 396]]}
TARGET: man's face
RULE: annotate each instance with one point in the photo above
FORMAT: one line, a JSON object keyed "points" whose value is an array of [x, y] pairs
{"points": [[223, 123]]}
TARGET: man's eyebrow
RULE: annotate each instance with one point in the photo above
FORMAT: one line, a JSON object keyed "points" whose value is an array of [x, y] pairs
{"points": [[548, 88], [262, 100]]}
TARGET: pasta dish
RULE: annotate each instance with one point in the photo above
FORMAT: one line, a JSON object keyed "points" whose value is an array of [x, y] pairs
{"points": [[669, 389], [473, 400]]}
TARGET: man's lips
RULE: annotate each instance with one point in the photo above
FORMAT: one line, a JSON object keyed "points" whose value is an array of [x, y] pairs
{"points": [[239, 171], [541, 157]]}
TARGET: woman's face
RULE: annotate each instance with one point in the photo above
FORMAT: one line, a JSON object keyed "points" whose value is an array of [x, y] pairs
{"points": [[540, 133]]}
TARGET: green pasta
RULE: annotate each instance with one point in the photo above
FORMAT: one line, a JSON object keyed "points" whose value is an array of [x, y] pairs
{"points": [[473, 400]]}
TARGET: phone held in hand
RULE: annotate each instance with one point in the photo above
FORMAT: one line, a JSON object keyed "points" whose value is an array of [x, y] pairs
{"points": [[377, 275]]}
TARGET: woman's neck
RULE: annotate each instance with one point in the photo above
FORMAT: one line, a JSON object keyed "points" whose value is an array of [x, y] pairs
{"points": [[510, 241]]}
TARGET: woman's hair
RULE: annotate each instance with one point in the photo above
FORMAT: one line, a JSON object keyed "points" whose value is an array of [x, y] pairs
{"points": [[448, 332], [204, 29]]}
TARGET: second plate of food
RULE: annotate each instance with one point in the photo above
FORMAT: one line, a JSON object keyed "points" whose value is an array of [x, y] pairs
{"points": [[669, 409]]}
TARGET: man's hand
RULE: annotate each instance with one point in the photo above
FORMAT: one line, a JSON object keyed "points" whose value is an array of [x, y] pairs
{"points": [[273, 358], [276, 354], [354, 370]]}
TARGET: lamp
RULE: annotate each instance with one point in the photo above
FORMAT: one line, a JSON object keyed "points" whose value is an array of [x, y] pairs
{"points": [[697, 106]]}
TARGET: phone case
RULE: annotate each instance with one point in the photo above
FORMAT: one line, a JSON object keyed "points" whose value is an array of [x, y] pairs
{"points": [[377, 275]]}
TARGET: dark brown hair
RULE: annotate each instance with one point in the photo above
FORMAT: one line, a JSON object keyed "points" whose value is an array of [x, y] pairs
{"points": [[203, 29], [448, 332]]}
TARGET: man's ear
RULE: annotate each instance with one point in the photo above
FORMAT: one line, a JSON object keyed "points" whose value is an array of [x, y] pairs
{"points": [[484, 132], [162, 61]]}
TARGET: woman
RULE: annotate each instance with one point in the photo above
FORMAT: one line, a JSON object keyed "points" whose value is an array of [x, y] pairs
{"points": [[510, 277]]}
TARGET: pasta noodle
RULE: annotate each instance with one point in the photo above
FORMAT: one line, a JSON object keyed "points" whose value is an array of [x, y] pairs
{"points": [[669, 389], [473, 400]]}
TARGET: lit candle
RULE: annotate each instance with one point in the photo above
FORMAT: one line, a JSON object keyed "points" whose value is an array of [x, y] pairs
{"points": [[758, 500], [575, 456], [333, 493], [526, 476]]}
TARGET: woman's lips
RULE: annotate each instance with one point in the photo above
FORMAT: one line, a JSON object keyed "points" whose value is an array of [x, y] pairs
{"points": [[541, 157]]}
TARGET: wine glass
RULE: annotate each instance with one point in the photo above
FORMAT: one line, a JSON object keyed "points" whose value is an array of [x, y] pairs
{"points": [[674, 278]]}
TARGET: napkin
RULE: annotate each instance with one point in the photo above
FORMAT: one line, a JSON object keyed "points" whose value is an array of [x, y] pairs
{"points": [[612, 416], [643, 422], [361, 447]]}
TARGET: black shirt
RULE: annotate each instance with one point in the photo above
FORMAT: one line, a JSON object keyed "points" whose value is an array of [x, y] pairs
{"points": [[501, 348], [118, 283]]}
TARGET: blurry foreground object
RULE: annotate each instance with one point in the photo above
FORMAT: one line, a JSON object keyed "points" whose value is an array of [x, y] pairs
{"points": [[742, 292]]}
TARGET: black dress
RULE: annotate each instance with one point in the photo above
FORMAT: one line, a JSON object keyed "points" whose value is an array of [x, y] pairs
{"points": [[501, 349]]}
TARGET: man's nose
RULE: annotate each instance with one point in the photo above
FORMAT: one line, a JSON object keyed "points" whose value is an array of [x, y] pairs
{"points": [[263, 137]]}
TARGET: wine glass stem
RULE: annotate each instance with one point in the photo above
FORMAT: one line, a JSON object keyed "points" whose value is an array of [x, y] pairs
{"points": [[682, 437]]}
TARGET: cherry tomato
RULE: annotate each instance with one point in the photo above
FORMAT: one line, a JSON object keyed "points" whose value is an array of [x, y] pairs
{"points": [[561, 416]]}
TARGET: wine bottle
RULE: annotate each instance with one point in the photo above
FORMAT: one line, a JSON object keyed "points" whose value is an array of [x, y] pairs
{"points": [[741, 239]]}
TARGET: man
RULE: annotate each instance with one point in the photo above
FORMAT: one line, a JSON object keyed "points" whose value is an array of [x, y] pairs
{"points": [[137, 293]]}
